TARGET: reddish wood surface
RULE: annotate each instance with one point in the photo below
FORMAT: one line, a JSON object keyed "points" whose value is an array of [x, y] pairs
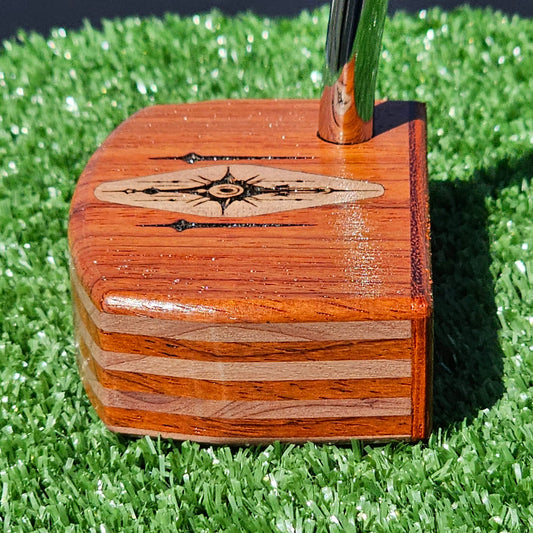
{"points": [[241, 351], [331, 287], [245, 431]]}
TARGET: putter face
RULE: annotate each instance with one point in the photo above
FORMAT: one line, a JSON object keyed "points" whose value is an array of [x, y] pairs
{"points": [[238, 279]]}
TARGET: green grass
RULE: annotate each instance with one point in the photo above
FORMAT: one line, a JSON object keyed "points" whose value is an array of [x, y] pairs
{"points": [[60, 469]]}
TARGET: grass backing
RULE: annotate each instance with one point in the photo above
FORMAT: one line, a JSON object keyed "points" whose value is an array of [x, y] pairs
{"points": [[60, 469]]}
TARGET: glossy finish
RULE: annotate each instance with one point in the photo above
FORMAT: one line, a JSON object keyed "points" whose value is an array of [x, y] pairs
{"points": [[227, 321], [353, 47]]}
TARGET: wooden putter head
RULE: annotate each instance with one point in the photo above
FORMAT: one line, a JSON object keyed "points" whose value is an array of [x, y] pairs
{"points": [[239, 278]]}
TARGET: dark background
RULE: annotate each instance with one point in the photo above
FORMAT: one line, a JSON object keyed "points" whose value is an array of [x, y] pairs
{"points": [[42, 15]]}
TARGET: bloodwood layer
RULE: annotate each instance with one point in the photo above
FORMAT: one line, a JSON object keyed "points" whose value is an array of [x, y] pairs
{"points": [[300, 324]]}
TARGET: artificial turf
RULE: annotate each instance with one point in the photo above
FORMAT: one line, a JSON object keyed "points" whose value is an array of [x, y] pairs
{"points": [[60, 469]]}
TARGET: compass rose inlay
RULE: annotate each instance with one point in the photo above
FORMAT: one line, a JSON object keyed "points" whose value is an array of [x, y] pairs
{"points": [[236, 191]]}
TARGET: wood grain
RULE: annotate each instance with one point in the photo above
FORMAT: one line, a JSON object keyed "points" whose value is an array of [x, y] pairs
{"points": [[269, 390], [249, 409], [240, 351], [247, 371], [422, 393], [322, 303], [243, 431], [262, 431], [243, 332]]}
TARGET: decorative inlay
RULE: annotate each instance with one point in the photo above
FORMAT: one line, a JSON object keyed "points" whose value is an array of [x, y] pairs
{"points": [[193, 157], [235, 191], [183, 225]]}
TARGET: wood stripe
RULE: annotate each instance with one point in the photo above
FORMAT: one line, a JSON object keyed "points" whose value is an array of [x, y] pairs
{"points": [[258, 440], [259, 390], [282, 409], [245, 431], [245, 352], [241, 371], [239, 332]]}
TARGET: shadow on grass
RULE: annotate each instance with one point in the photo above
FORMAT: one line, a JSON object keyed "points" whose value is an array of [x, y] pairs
{"points": [[468, 358]]}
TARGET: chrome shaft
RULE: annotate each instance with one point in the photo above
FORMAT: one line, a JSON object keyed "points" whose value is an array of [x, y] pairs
{"points": [[353, 48]]}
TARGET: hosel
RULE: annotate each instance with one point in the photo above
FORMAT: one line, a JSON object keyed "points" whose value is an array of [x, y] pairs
{"points": [[353, 48]]}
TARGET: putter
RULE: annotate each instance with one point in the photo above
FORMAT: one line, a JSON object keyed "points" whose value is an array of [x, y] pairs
{"points": [[248, 271]]}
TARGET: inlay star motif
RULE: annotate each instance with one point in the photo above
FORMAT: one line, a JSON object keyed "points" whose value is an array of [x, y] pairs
{"points": [[235, 191]]}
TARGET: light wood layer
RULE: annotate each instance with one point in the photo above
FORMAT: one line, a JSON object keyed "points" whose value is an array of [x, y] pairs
{"points": [[247, 371], [244, 431], [176, 191], [243, 332], [249, 409], [244, 352]]}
